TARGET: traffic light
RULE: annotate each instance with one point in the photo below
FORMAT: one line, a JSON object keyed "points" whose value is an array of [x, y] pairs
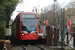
{"points": [[7, 26], [8, 15], [8, 19]]}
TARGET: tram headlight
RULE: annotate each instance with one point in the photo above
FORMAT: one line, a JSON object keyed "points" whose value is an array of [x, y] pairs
{"points": [[35, 34], [22, 34]]}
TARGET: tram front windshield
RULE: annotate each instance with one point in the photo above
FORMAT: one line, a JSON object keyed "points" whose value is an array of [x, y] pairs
{"points": [[28, 22]]}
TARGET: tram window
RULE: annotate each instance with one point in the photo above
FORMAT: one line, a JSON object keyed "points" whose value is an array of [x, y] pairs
{"points": [[18, 23]]}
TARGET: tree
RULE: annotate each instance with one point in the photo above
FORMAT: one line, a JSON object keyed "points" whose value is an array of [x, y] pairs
{"points": [[49, 14], [4, 6], [70, 11]]}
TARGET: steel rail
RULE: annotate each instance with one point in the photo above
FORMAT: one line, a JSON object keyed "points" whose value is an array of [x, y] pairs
{"points": [[42, 48], [24, 47]]}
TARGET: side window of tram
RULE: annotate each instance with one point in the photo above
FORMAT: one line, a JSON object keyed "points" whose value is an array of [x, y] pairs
{"points": [[18, 23]]}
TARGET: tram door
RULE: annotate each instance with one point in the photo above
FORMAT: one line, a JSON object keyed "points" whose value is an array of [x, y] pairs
{"points": [[18, 28]]}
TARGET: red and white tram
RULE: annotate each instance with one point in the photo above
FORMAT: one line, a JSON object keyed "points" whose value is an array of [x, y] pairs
{"points": [[25, 26]]}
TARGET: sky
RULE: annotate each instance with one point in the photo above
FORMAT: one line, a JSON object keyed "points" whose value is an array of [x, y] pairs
{"points": [[27, 5]]}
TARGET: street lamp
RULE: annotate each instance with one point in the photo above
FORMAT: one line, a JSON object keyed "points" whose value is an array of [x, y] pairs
{"points": [[54, 12]]}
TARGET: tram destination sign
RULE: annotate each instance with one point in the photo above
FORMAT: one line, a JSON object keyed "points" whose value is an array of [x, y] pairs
{"points": [[27, 16]]}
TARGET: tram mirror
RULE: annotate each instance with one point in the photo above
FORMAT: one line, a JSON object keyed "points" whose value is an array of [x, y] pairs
{"points": [[37, 17]]}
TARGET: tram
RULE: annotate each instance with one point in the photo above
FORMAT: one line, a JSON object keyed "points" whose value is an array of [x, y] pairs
{"points": [[25, 26]]}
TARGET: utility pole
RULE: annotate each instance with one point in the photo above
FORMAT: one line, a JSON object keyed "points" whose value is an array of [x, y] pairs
{"points": [[61, 32], [62, 27], [54, 12]]}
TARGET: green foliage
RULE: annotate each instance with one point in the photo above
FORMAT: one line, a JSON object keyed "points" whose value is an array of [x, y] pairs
{"points": [[5, 5], [2, 32]]}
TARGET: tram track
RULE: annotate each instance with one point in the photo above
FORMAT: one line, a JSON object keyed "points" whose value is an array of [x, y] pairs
{"points": [[42, 48], [33, 47], [23, 47]]}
